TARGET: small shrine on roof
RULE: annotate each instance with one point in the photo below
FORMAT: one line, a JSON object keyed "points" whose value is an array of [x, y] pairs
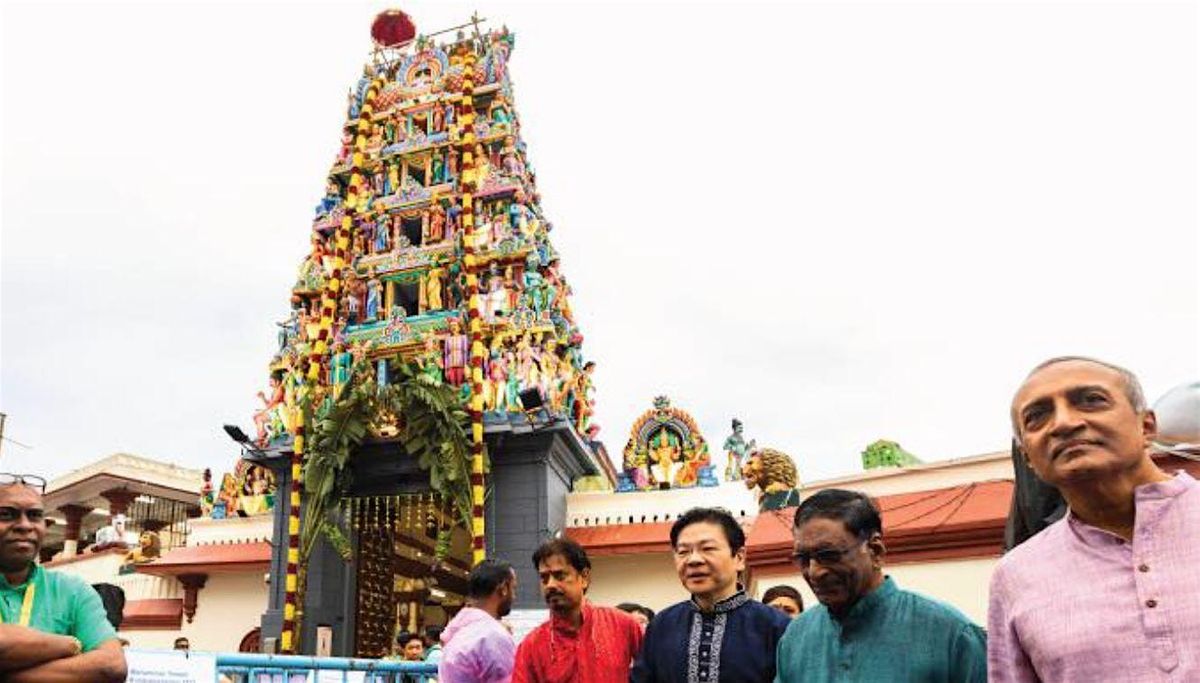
{"points": [[665, 450]]}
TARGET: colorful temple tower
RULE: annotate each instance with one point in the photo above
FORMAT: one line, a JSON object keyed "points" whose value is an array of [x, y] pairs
{"points": [[431, 265]]}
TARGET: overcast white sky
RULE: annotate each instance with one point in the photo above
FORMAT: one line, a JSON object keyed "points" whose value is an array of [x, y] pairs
{"points": [[838, 222]]}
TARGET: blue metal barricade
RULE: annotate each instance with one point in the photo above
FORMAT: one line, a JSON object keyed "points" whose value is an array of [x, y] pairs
{"points": [[256, 668]]}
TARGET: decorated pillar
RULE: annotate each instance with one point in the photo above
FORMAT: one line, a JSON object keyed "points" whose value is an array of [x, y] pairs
{"points": [[74, 515], [356, 204], [472, 236], [119, 500]]}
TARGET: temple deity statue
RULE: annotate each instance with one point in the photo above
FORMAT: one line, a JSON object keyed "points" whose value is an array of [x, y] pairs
{"points": [[437, 223], [382, 233], [431, 361], [438, 170], [267, 415], [433, 289], [374, 300], [393, 178], [451, 164], [666, 454], [457, 348], [736, 450], [496, 301], [339, 366], [496, 394]]}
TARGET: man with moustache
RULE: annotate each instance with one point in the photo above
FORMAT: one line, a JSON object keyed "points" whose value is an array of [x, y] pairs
{"points": [[1108, 592], [53, 626], [476, 646], [582, 642], [720, 634], [866, 628]]}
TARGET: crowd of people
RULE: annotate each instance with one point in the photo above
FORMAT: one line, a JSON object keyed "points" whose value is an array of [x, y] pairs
{"points": [[1106, 593]]}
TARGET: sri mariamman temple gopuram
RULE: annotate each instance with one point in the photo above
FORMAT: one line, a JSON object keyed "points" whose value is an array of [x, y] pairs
{"points": [[431, 354]]}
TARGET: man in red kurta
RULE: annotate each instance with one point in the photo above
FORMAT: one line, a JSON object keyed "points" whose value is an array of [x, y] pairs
{"points": [[582, 642]]}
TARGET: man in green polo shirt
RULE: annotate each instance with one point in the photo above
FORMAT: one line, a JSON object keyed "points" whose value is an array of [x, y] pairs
{"points": [[866, 628], [52, 626]]}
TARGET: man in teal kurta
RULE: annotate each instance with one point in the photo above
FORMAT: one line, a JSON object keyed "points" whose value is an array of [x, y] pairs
{"points": [[866, 628], [53, 626]]}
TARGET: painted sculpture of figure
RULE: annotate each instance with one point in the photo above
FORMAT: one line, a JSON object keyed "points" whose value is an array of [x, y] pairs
{"points": [[439, 119], [287, 330], [666, 454], [496, 398], [584, 408], [339, 367], [454, 217], [437, 224], [264, 416], [736, 450], [382, 230], [227, 498], [373, 301], [333, 197], [433, 289], [437, 169], [696, 460], [451, 164], [208, 497], [257, 495], [482, 166], [149, 549], [458, 346], [352, 306], [497, 299], [773, 473], [393, 178], [561, 386], [430, 361], [500, 229]]}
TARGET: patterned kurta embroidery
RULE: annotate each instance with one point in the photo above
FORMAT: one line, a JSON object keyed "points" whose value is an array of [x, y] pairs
{"points": [[706, 667]]}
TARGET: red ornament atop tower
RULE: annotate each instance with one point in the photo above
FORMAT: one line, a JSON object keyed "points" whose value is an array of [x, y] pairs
{"points": [[393, 29]]}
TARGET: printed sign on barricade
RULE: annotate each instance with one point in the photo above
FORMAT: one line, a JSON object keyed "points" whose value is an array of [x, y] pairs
{"points": [[147, 666]]}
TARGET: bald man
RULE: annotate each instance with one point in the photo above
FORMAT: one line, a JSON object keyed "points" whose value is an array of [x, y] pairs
{"points": [[53, 626]]}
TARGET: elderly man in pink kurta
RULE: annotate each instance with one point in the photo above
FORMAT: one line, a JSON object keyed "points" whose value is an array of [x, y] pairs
{"points": [[1109, 592], [477, 648]]}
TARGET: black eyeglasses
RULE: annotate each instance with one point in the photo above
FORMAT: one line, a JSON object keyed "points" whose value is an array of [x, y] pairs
{"points": [[8, 515], [826, 556], [31, 480]]}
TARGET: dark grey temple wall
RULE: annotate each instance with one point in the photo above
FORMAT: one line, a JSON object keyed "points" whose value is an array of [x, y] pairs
{"points": [[531, 473]]}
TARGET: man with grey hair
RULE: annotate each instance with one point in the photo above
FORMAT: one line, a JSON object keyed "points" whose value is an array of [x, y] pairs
{"points": [[1108, 592]]}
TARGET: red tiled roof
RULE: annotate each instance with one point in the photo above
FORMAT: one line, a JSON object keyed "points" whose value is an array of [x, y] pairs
{"points": [[623, 539], [220, 557], [960, 521], [156, 613]]}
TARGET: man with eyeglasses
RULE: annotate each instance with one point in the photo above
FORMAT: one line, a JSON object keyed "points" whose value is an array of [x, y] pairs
{"points": [[866, 628], [719, 635], [53, 626]]}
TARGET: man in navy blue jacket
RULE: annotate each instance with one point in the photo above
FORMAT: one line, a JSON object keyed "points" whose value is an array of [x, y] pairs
{"points": [[720, 634]]}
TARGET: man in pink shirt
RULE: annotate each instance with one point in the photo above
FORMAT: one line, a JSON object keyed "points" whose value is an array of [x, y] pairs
{"points": [[1109, 592], [477, 648]]}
